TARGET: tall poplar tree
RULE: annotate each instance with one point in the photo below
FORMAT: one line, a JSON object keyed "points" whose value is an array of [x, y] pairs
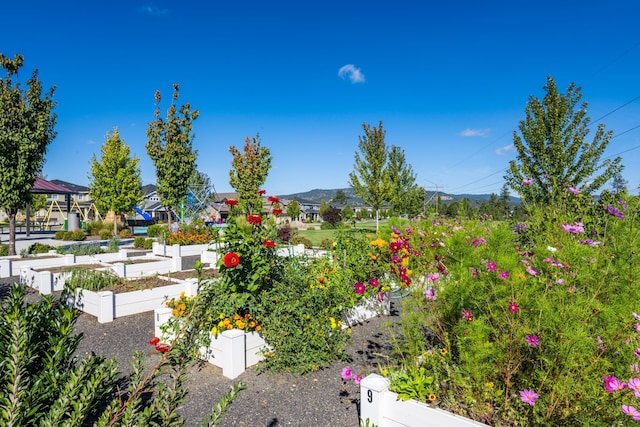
{"points": [[249, 171], [369, 178], [402, 181], [293, 210], [170, 147], [114, 182], [553, 151], [26, 129]]}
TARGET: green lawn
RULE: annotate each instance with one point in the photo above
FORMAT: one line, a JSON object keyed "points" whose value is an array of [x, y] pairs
{"points": [[317, 236]]}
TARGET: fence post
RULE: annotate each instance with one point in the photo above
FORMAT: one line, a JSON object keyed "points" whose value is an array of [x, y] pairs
{"points": [[5, 268], [233, 353], [45, 282], [372, 389], [105, 306]]}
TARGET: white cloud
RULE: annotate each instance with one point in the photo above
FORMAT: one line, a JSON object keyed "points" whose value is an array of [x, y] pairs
{"points": [[476, 132], [152, 10], [354, 74], [505, 149], [91, 142]]}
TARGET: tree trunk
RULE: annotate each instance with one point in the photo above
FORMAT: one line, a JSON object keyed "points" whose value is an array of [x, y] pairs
{"points": [[169, 217], [377, 218], [115, 224], [12, 231]]}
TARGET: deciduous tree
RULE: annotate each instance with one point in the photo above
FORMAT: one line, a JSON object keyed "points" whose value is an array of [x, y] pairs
{"points": [[293, 210], [114, 180], [553, 151], [402, 181], [26, 129], [340, 197], [249, 171], [170, 147], [369, 178]]}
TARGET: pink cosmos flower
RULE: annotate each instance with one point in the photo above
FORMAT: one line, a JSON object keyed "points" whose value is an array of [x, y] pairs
{"points": [[430, 294], [513, 307], [433, 277], [630, 411], [573, 190], [359, 288], [527, 181], [615, 212], [636, 353], [577, 227], [532, 271], [634, 384], [504, 275], [528, 396], [634, 367], [347, 374], [474, 272], [612, 384], [373, 282], [532, 340], [467, 315], [357, 379], [479, 242], [636, 316], [492, 266]]}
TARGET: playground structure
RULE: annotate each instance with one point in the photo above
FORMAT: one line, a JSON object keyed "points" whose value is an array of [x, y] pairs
{"points": [[89, 213]]}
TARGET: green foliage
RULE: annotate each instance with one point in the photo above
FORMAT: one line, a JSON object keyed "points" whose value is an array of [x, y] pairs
{"points": [[296, 240], [157, 230], [138, 242], [340, 197], [293, 210], [40, 248], [105, 234], [170, 148], [113, 245], [43, 383], [114, 182], [193, 233], [26, 129], [404, 194], [148, 244], [94, 227], [553, 152], [125, 234], [286, 233], [91, 280], [249, 172], [369, 178], [84, 249], [332, 215], [4, 250], [77, 235]]}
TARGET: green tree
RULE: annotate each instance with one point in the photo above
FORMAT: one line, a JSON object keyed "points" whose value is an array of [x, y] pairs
{"points": [[293, 209], [323, 208], [402, 180], [369, 178], [170, 147], [553, 151], [340, 197], [26, 129], [414, 201], [347, 213], [619, 184], [114, 180], [249, 171]]}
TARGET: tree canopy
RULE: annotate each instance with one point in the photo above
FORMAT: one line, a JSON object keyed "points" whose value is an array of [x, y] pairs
{"points": [[114, 182], [27, 125], [170, 147], [249, 171], [553, 150]]}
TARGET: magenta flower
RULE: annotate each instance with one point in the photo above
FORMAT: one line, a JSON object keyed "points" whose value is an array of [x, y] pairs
{"points": [[612, 384], [532, 340], [357, 379], [347, 374], [433, 277], [636, 316], [634, 384], [577, 227], [504, 275], [634, 367], [513, 307], [527, 181], [573, 190], [492, 266], [431, 294], [479, 242], [395, 259], [528, 396], [630, 411], [532, 271], [374, 282], [636, 353], [359, 288], [615, 212], [474, 272], [467, 315]]}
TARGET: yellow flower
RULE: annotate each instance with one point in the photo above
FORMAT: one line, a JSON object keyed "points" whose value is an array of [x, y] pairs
{"points": [[432, 397], [368, 236], [520, 276], [221, 324], [240, 324], [405, 261], [221, 316], [443, 351], [489, 385], [174, 312], [214, 331], [182, 296], [379, 243], [385, 372]]}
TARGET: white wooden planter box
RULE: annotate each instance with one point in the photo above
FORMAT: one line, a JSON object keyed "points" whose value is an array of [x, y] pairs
{"points": [[383, 409], [171, 251], [232, 350], [156, 265], [366, 310], [105, 305], [46, 282], [10, 267]]}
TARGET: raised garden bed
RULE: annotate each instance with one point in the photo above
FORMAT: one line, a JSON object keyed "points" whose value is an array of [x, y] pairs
{"points": [[381, 407]]}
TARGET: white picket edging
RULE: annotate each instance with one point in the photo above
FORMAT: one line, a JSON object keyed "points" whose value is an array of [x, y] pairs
{"points": [[232, 350], [366, 310], [382, 408], [105, 305]]}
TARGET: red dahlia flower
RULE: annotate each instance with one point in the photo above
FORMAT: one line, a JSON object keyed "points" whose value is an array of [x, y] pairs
{"points": [[269, 244], [154, 340], [277, 211], [162, 348], [254, 219], [273, 199], [231, 202], [231, 259], [261, 192]]}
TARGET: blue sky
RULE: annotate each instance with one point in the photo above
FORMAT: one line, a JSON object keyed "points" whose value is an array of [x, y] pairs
{"points": [[449, 80]]}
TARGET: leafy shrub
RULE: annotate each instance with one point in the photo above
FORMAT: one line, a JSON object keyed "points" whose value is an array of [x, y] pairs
{"points": [[296, 240], [113, 245], [157, 230], [311, 228], [194, 233], [59, 235], [125, 234], [285, 234], [327, 226], [91, 280], [4, 250], [77, 235], [84, 249], [94, 227], [40, 248], [332, 215], [326, 243], [148, 244], [138, 242], [106, 234]]}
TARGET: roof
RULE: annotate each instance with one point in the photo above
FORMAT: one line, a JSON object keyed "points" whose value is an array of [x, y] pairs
{"points": [[42, 186], [70, 186]]}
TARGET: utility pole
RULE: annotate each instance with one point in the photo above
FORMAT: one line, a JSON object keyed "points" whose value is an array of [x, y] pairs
{"points": [[436, 187]]}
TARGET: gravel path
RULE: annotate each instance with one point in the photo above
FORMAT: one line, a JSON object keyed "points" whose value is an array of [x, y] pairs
{"points": [[317, 399]]}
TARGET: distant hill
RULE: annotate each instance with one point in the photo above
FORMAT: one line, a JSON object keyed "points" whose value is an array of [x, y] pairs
{"points": [[318, 195]]}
